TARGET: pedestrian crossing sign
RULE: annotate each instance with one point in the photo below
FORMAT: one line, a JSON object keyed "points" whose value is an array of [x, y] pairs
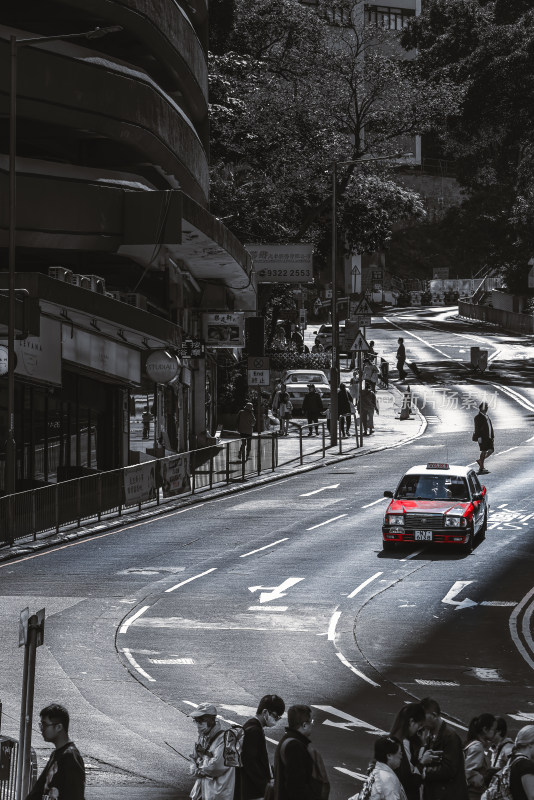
{"points": [[360, 344], [363, 308]]}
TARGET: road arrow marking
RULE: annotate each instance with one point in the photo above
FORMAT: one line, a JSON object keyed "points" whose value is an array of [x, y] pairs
{"points": [[274, 592], [350, 721], [456, 589], [323, 489]]}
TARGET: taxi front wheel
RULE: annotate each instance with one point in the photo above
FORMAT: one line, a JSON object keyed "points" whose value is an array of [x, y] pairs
{"points": [[470, 544]]}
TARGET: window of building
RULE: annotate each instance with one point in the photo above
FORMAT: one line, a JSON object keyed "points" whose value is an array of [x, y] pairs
{"points": [[394, 19]]}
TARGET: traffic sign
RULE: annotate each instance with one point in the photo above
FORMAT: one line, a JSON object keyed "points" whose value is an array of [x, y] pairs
{"points": [[23, 627], [360, 345], [258, 373], [258, 362], [362, 320], [363, 307]]}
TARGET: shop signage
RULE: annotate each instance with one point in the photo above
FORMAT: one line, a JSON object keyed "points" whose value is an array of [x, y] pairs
{"points": [[224, 329], [162, 367], [282, 263], [89, 350], [39, 357]]}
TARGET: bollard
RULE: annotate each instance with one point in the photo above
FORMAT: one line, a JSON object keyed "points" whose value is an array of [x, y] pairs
{"points": [[300, 446]]}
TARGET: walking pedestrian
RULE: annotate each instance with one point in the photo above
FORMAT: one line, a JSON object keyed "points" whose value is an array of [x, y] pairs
{"points": [[317, 347], [444, 770], [214, 779], [368, 406], [476, 754], [370, 372], [344, 402], [63, 777], [255, 773], [501, 746], [297, 764], [401, 358], [406, 726], [384, 373], [383, 783], [522, 767], [245, 426], [312, 408], [484, 435], [285, 407], [146, 418]]}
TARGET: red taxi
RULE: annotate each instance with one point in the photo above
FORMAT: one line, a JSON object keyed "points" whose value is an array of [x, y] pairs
{"points": [[438, 503]]}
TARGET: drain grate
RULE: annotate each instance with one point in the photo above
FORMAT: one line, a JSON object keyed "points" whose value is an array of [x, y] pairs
{"points": [[436, 682]]}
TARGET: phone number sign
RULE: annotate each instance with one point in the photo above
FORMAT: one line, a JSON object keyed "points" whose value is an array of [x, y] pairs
{"points": [[282, 263]]}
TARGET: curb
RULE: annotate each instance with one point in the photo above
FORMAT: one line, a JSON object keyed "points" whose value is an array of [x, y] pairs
{"points": [[71, 535]]}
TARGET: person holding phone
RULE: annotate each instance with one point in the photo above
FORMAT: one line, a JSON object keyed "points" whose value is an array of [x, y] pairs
{"points": [[443, 760]]}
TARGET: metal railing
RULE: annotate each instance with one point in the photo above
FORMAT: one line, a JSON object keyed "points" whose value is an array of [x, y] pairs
{"points": [[72, 502]]}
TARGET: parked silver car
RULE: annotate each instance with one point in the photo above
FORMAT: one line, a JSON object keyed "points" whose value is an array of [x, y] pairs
{"points": [[297, 380]]}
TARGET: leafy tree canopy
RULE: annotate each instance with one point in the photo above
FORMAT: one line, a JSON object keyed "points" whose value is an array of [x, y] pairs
{"points": [[294, 88], [486, 49]]}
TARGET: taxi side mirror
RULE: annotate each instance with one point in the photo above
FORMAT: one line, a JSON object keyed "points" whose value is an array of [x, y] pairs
{"points": [[477, 496], [387, 493]]}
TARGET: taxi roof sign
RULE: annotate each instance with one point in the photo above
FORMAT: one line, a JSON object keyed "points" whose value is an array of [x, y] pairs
{"points": [[437, 465]]}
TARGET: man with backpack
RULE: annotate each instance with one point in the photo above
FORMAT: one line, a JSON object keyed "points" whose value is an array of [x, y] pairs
{"points": [[255, 771], [515, 781], [299, 772], [216, 755]]}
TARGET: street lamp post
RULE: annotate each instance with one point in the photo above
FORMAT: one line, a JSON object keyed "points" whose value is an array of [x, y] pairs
{"points": [[16, 42], [334, 371]]}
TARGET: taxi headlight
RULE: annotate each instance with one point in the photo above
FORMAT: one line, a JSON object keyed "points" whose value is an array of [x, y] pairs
{"points": [[455, 522], [395, 519]]}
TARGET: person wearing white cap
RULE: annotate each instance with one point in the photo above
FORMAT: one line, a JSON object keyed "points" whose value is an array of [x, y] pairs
{"points": [[522, 768], [214, 780], [484, 435]]}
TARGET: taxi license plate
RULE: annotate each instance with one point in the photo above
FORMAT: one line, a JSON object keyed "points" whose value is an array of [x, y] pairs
{"points": [[423, 536]]}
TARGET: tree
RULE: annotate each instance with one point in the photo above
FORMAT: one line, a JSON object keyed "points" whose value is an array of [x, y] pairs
{"points": [[486, 49], [296, 89]]}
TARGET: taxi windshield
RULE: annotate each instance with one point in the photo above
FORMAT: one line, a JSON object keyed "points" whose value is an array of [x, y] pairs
{"points": [[433, 487]]}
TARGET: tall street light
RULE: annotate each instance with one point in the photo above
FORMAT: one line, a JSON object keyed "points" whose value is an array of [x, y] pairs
{"points": [[16, 42], [334, 371]]}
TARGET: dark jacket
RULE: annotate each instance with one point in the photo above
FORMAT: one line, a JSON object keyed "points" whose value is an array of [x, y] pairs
{"points": [[293, 772], [484, 431], [343, 400], [65, 772], [252, 778], [411, 781], [446, 780], [312, 405], [401, 354]]}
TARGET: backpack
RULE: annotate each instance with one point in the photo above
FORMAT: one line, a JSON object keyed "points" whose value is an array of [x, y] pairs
{"points": [[233, 746], [499, 785]]}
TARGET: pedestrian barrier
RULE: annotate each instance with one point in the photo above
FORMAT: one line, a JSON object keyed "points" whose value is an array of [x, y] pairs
{"points": [[74, 501]]}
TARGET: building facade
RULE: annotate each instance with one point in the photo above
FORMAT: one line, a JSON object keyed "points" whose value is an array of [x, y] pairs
{"points": [[117, 258]]}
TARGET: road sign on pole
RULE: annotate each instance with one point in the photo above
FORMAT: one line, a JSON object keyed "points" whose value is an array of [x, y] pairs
{"points": [[258, 373], [360, 344]]}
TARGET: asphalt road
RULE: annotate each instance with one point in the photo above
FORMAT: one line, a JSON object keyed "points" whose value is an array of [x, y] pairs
{"points": [[284, 588]]}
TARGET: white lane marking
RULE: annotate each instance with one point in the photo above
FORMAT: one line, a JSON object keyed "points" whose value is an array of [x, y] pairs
{"points": [[125, 625], [334, 619], [514, 632], [274, 592], [363, 585], [177, 586], [171, 661], [499, 603], [453, 591], [352, 774], [356, 671], [273, 741], [424, 682], [514, 395], [266, 547], [414, 554], [323, 489], [136, 666], [267, 608], [380, 500], [326, 522], [350, 721], [427, 344]]}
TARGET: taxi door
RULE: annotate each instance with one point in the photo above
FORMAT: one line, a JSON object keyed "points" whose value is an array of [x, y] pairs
{"points": [[478, 505]]}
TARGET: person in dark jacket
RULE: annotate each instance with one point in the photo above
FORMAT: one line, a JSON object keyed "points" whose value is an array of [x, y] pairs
{"points": [[443, 761], [401, 358], [245, 425], [484, 435], [368, 406], [63, 777], [344, 410], [255, 773], [312, 407], [407, 724], [293, 763]]}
